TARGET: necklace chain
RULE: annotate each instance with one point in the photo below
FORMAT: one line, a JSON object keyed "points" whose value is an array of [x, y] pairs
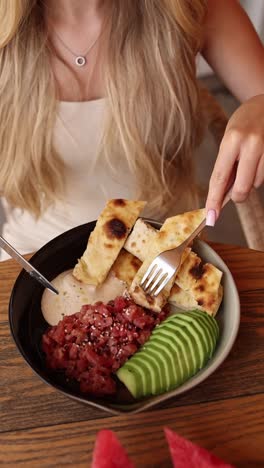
{"points": [[80, 59]]}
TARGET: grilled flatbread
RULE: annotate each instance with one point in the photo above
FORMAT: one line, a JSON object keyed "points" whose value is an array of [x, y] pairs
{"points": [[181, 299], [106, 240], [209, 301], [197, 285], [201, 281], [185, 301], [126, 267], [173, 232], [139, 239]]}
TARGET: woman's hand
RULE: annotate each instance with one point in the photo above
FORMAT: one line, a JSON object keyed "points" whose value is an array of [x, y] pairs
{"points": [[242, 147]]}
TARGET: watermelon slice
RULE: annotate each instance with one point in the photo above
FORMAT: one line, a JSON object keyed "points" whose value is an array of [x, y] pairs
{"points": [[109, 453], [185, 454]]}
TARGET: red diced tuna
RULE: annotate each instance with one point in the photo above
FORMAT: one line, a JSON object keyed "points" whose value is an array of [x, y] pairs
{"points": [[96, 341]]}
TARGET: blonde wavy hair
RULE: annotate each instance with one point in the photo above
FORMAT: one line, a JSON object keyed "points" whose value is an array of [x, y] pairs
{"points": [[153, 101]]}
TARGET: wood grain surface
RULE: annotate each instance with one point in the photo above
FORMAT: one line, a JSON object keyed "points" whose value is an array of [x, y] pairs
{"points": [[41, 427]]}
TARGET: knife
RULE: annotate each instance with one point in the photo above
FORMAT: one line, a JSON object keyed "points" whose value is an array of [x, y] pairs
{"points": [[26, 265]]}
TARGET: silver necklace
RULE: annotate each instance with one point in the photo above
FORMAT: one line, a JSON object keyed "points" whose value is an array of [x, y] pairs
{"points": [[80, 60]]}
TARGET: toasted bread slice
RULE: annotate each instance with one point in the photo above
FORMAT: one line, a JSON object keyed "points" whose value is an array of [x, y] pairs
{"points": [[139, 239], [107, 239], [209, 300], [197, 285], [126, 267], [172, 233]]}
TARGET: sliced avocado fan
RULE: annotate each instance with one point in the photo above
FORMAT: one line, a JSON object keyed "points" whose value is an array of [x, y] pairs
{"points": [[177, 349]]}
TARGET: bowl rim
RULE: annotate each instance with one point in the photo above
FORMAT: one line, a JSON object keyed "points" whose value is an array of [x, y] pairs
{"points": [[141, 405]]}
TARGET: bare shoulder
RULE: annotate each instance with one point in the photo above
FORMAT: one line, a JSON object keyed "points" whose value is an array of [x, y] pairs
{"points": [[233, 49], [222, 13], [226, 22]]}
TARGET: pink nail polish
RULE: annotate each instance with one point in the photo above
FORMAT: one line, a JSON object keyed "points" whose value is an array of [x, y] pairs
{"points": [[211, 218]]}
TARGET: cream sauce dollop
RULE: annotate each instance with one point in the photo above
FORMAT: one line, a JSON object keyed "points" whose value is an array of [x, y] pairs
{"points": [[73, 295]]}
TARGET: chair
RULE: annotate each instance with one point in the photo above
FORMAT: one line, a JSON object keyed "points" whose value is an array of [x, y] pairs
{"points": [[250, 212]]}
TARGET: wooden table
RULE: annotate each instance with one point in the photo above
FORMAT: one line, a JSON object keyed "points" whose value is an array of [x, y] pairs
{"points": [[41, 428]]}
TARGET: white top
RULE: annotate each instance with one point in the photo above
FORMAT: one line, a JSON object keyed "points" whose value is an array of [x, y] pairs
{"points": [[89, 183]]}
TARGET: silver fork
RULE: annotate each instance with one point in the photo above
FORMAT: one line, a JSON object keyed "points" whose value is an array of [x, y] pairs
{"points": [[167, 263]]}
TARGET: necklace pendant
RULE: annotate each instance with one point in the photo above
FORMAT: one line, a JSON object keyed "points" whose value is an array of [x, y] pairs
{"points": [[80, 61]]}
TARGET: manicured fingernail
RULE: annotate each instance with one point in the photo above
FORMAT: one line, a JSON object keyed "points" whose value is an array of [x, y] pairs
{"points": [[211, 218]]}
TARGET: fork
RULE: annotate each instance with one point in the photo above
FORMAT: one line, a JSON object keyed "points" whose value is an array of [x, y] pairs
{"points": [[167, 263]]}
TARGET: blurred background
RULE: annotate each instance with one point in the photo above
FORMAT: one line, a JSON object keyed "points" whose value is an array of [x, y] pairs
{"points": [[228, 228]]}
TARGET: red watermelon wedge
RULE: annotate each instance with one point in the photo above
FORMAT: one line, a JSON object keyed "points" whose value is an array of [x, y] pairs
{"points": [[185, 454], [109, 453]]}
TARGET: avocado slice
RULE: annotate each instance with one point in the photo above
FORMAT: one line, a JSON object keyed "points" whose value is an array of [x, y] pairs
{"points": [[176, 350], [175, 366], [154, 378], [153, 349], [185, 341], [201, 317], [211, 329], [208, 323], [205, 316], [131, 376], [176, 346], [202, 337], [199, 343]]}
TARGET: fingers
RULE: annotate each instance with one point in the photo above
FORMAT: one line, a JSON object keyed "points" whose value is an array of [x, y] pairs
{"points": [[259, 179], [250, 155], [248, 152], [227, 156]]}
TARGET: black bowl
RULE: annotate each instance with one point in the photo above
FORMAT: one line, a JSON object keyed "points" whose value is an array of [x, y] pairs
{"points": [[27, 323]]}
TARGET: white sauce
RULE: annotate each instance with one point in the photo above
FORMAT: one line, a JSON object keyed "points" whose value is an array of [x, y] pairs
{"points": [[73, 295]]}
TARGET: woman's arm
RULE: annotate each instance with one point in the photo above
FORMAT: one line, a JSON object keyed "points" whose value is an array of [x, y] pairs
{"points": [[233, 49], [235, 52]]}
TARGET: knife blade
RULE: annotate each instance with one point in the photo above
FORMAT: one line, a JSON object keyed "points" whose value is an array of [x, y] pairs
{"points": [[26, 265]]}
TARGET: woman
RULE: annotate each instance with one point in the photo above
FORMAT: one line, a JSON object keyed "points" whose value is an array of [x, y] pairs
{"points": [[99, 99]]}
